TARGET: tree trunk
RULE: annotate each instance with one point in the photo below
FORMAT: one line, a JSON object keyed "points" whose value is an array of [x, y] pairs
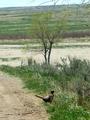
{"points": [[49, 52], [45, 55], [45, 50]]}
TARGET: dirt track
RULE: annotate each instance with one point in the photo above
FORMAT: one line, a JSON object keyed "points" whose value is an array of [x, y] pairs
{"points": [[17, 103]]}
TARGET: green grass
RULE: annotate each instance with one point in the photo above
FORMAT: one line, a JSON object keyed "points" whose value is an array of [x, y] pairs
{"points": [[72, 46], [18, 42], [62, 78], [9, 59]]}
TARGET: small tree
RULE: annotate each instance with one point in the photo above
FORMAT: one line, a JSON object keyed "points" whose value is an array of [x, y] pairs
{"points": [[46, 28]]}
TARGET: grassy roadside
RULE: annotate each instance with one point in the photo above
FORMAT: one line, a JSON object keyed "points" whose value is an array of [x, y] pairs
{"points": [[63, 79]]}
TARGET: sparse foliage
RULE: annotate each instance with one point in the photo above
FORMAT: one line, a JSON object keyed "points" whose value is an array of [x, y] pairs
{"points": [[47, 31]]}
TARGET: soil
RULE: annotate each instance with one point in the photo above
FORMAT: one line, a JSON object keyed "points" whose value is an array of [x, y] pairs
{"points": [[18, 103]]}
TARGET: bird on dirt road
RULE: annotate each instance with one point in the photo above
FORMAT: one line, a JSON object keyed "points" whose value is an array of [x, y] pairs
{"points": [[48, 98]]}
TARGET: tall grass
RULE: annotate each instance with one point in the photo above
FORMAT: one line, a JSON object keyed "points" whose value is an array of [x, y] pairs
{"points": [[70, 80]]}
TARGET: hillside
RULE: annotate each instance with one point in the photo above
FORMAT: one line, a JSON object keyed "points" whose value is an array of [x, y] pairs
{"points": [[15, 22]]}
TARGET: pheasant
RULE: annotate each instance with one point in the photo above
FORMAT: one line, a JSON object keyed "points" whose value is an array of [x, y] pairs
{"points": [[48, 98]]}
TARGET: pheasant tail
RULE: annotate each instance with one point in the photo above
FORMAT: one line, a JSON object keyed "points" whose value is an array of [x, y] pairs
{"points": [[39, 96]]}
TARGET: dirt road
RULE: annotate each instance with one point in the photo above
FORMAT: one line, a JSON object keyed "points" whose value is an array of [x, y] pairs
{"points": [[17, 103]]}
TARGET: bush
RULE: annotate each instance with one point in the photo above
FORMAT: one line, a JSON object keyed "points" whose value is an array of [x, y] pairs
{"points": [[64, 109]]}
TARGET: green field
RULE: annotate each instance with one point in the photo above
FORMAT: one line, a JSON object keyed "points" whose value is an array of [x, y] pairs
{"points": [[17, 21]]}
